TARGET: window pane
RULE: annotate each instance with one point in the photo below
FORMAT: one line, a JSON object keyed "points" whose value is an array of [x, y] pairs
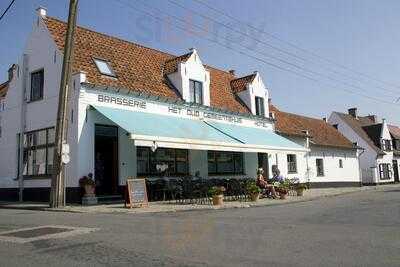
{"points": [[212, 167], [36, 85], [182, 167], [50, 153], [40, 138], [238, 158], [225, 162], [199, 93], [30, 156], [25, 171], [104, 67], [39, 163], [51, 133]]}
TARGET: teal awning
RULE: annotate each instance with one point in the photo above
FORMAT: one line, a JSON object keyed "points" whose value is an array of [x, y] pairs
{"points": [[149, 129]]}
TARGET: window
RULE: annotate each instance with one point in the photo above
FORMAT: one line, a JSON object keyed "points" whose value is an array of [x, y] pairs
{"points": [[37, 80], [292, 163], [104, 67], [320, 167], [259, 101], [385, 171], [152, 163], [225, 162], [196, 92], [38, 152], [340, 163], [396, 144], [386, 145]]}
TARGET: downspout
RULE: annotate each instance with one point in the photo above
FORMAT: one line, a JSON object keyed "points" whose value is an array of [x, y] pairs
{"points": [[307, 154], [22, 127], [359, 165]]}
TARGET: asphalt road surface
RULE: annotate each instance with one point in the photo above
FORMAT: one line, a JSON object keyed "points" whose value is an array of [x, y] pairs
{"points": [[359, 229]]}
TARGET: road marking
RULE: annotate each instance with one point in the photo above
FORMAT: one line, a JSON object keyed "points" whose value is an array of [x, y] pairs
{"points": [[25, 235]]}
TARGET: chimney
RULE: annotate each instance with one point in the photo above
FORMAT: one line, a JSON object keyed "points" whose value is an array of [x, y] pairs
{"points": [[42, 12], [373, 118], [353, 112], [232, 72]]}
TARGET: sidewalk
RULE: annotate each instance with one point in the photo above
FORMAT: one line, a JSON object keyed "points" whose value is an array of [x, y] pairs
{"points": [[155, 207]]}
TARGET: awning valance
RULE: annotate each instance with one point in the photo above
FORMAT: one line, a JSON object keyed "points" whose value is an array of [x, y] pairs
{"points": [[149, 129]]}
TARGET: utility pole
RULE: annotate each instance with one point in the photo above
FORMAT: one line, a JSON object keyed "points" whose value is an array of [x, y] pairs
{"points": [[57, 194]]}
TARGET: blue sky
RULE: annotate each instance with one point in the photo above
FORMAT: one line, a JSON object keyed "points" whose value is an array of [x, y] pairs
{"points": [[360, 34]]}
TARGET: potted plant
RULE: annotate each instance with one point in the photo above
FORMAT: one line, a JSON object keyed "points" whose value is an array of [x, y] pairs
{"points": [[253, 191], [217, 193], [88, 185], [300, 189], [283, 189]]}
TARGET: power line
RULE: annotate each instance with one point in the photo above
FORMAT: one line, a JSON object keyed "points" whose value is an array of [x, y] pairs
{"points": [[273, 36], [273, 47], [5, 11], [262, 53], [256, 58]]}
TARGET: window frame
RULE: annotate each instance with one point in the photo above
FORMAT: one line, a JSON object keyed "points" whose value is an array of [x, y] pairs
{"points": [[41, 95], [152, 155], [259, 105], [385, 173], [108, 63], [291, 169], [322, 173], [33, 148], [234, 167], [194, 82]]}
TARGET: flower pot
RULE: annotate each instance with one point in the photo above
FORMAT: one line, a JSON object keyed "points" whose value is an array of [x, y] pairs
{"points": [[218, 200], [254, 197], [300, 192], [89, 190], [282, 195]]}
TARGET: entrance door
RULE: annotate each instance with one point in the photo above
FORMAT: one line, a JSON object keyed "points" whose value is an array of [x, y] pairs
{"points": [[263, 163], [106, 160], [396, 171]]}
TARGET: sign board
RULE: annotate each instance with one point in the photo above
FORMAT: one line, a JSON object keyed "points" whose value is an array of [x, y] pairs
{"points": [[136, 193]]}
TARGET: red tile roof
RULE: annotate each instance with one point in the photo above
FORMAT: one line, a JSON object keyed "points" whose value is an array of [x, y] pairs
{"points": [[171, 65], [137, 67], [357, 125], [3, 89], [238, 85], [321, 133], [394, 131]]}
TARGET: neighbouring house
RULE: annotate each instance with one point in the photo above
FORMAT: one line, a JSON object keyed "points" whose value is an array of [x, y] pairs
{"points": [[332, 159], [379, 161], [395, 133], [134, 112]]}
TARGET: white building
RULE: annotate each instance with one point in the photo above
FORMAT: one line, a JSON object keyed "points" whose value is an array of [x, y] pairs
{"points": [[332, 160], [380, 159], [130, 109]]}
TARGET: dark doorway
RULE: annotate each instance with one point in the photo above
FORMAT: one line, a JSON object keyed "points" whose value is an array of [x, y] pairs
{"points": [[106, 160], [263, 163], [396, 171]]}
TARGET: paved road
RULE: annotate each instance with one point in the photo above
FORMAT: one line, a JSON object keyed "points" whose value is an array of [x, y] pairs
{"points": [[360, 229]]}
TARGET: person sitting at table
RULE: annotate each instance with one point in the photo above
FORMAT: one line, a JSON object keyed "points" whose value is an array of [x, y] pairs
{"points": [[263, 184]]}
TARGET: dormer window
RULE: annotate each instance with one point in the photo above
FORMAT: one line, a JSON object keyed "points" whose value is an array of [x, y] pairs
{"points": [[386, 145], [196, 92], [104, 67], [259, 102]]}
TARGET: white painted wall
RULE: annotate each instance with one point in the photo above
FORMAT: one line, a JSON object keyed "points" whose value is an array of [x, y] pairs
{"points": [[369, 159], [42, 53], [255, 88]]}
